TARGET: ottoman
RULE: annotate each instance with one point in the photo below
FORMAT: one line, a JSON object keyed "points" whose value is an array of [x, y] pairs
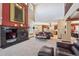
{"points": [[46, 51]]}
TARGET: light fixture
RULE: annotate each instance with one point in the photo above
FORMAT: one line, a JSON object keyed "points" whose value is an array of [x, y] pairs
{"points": [[21, 25], [75, 22], [15, 24], [19, 6]]}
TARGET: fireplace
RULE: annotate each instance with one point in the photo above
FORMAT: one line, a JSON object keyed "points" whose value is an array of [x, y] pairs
{"points": [[11, 35]]}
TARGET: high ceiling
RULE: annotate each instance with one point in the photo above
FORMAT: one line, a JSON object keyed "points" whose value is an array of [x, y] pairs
{"points": [[49, 12]]}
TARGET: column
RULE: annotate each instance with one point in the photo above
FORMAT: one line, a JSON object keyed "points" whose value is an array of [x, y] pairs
{"points": [[61, 27], [68, 31]]}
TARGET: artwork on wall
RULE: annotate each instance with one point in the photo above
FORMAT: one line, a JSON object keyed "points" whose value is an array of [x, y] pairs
{"points": [[55, 27], [16, 13]]}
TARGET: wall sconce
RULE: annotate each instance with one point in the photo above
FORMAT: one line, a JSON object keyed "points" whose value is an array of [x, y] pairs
{"points": [[21, 25], [15, 25]]}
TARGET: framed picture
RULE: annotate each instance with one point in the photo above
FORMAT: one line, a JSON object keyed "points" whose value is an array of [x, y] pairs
{"points": [[17, 13]]}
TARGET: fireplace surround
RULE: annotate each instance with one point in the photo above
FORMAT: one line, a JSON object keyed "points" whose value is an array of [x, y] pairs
{"points": [[11, 35]]}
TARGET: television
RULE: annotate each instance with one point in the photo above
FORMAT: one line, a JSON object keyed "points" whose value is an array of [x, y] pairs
{"points": [[16, 13]]}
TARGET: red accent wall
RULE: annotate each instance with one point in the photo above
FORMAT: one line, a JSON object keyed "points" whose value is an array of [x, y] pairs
{"points": [[6, 15], [74, 27]]}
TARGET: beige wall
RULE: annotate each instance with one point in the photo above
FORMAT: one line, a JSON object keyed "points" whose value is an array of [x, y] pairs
{"points": [[38, 28]]}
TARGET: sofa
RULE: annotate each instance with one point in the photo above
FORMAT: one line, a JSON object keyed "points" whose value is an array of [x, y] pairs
{"points": [[43, 35], [66, 49], [76, 35], [46, 51]]}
